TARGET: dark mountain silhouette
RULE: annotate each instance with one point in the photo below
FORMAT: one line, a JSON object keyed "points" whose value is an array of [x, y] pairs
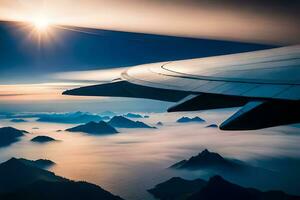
{"points": [[206, 159], [133, 115], [18, 120], [43, 139], [177, 188], [9, 135], [187, 119], [234, 170], [216, 188], [159, 124], [123, 122], [212, 126], [20, 180], [94, 128], [40, 163], [16, 174], [72, 118]]}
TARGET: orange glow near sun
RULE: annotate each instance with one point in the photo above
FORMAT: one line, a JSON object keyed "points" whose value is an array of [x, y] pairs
{"points": [[40, 29]]}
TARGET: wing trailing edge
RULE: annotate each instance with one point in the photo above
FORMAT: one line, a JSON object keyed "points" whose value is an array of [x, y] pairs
{"points": [[206, 101], [263, 114]]}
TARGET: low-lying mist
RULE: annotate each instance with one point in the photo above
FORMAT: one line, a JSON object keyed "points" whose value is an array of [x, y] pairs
{"points": [[135, 160]]}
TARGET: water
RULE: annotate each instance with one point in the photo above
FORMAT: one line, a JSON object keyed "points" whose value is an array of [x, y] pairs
{"points": [[129, 163]]}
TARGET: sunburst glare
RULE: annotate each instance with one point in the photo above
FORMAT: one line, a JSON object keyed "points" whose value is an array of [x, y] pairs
{"points": [[41, 24]]}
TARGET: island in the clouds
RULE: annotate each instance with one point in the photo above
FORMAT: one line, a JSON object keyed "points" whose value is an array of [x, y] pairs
{"points": [[40, 163], [159, 124], [216, 188], [123, 122], [107, 114], [71, 118], [18, 120], [134, 115], [9, 135], [233, 169], [207, 159], [43, 139], [22, 180], [212, 126], [177, 188], [187, 119], [96, 128]]}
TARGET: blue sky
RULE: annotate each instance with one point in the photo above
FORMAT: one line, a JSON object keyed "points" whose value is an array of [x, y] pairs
{"points": [[27, 66], [86, 49]]}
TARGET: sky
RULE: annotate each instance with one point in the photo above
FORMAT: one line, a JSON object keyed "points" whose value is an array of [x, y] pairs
{"points": [[50, 46], [267, 21]]}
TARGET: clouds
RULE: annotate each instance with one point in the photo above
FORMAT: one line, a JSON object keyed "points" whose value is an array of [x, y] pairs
{"points": [[35, 92], [90, 75]]}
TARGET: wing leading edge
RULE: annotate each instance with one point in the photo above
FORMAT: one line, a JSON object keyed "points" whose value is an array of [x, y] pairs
{"points": [[266, 83]]}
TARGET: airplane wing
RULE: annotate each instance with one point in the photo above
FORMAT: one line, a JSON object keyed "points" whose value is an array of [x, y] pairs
{"points": [[265, 83]]}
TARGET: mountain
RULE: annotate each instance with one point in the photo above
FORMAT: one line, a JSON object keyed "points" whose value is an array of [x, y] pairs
{"points": [[187, 119], [216, 188], [212, 126], [107, 113], [42, 139], [159, 124], [233, 169], [176, 188], [18, 120], [71, 118], [206, 159], [16, 174], [94, 128], [105, 118], [40, 163], [9, 135], [133, 115], [20, 180], [122, 122]]}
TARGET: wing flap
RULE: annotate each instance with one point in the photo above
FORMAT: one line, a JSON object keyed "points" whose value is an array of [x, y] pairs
{"points": [[263, 114], [207, 101]]}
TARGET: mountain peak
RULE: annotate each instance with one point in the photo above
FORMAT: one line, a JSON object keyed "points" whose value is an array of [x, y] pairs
{"points": [[188, 119], [94, 128], [205, 151], [123, 122], [9, 135], [43, 139], [204, 159]]}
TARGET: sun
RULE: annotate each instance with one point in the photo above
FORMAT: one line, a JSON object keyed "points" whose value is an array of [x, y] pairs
{"points": [[41, 24], [41, 29]]}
